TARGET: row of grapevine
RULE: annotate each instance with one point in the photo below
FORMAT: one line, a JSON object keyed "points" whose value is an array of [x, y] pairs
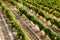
{"points": [[57, 14], [49, 6], [13, 22], [47, 30], [41, 13]]}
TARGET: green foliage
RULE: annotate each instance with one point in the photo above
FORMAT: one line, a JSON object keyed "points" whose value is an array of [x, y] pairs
{"points": [[13, 21], [41, 13], [41, 25]]}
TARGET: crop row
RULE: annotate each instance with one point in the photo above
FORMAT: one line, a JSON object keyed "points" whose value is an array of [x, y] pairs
{"points": [[13, 22], [43, 14], [47, 30], [50, 11], [50, 6], [46, 4]]}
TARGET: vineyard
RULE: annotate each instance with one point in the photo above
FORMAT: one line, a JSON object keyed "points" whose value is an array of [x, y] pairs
{"points": [[29, 19]]}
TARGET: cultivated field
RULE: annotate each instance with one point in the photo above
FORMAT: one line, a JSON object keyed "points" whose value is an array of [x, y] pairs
{"points": [[29, 20]]}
